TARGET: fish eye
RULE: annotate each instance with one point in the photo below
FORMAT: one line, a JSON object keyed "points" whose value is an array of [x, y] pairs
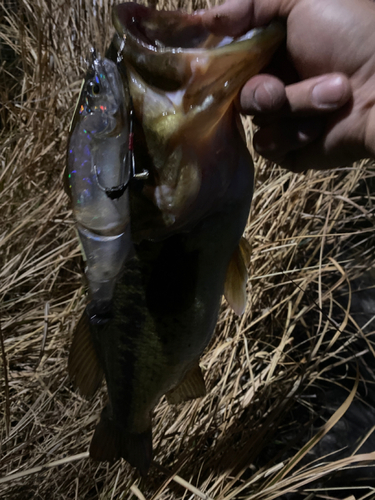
{"points": [[94, 88]]}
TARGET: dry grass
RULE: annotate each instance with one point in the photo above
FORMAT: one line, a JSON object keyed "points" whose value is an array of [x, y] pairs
{"points": [[270, 374]]}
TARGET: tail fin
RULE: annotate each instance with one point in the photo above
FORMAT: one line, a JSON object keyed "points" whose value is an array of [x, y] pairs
{"points": [[111, 442]]}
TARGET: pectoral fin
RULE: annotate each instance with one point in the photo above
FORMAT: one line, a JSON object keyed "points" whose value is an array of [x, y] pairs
{"points": [[246, 250], [191, 387], [83, 364], [236, 278]]}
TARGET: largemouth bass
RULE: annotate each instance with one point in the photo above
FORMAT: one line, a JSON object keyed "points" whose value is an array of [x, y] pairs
{"points": [[187, 219], [97, 176]]}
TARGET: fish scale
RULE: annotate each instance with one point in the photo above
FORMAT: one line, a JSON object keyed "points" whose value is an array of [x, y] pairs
{"points": [[149, 344]]}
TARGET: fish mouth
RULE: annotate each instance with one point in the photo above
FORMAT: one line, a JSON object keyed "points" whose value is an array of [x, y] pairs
{"points": [[176, 32], [167, 47], [159, 30]]}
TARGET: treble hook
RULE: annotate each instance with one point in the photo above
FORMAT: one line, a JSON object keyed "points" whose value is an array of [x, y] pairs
{"points": [[116, 192], [145, 173], [119, 52]]}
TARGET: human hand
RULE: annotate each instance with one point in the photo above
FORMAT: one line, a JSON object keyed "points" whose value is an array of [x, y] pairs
{"points": [[316, 108]]}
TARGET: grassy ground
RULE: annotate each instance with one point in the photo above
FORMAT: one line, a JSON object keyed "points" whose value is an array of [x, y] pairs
{"points": [[290, 383]]}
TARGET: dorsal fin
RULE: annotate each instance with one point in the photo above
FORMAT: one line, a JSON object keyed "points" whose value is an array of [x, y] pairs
{"points": [[236, 278], [83, 364], [191, 387]]}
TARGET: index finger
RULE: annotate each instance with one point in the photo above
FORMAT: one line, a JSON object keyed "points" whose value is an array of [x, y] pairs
{"points": [[235, 17]]}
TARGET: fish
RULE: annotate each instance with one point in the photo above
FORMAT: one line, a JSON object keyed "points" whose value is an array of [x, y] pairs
{"points": [[187, 220], [97, 175]]}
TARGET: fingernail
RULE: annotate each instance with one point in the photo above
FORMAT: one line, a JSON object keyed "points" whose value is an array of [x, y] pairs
{"points": [[263, 97], [329, 93]]}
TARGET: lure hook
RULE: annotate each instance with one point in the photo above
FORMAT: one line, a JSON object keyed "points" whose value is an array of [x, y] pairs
{"points": [[116, 192]]}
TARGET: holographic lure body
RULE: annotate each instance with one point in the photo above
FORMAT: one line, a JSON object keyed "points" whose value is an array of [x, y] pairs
{"points": [[97, 175]]}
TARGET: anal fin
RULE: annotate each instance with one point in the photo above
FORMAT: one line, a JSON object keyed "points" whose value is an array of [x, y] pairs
{"points": [[83, 364], [191, 387], [236, 278]]}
